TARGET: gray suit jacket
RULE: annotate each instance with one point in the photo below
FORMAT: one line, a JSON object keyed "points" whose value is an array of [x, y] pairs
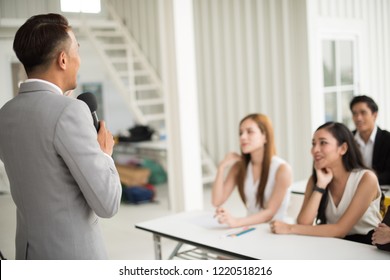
{"points": [[60, 179]]}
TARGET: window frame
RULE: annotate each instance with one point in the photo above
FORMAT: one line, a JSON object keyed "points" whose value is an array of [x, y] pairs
{"points": [[339, 89]]}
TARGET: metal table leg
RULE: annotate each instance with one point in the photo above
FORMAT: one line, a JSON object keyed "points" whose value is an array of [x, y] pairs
{"points": [[157, 246], [177, 248]]}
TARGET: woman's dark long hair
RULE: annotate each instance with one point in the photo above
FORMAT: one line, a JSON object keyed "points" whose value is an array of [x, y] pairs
{"points": [[352, 159]]}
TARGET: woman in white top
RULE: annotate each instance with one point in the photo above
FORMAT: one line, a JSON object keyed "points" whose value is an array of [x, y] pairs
{"points": [[263, 179], [342, 195]]}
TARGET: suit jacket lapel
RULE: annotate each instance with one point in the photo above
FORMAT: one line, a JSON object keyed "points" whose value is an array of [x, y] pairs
{"points": [[377, 146]]}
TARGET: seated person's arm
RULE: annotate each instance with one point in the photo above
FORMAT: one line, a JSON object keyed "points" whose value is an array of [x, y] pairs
{"points": [[310, 205], [366, 192], [283, 181], [222, 188]]}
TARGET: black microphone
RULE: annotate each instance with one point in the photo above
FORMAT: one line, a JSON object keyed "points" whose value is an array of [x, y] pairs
{"points": [[90, 99]]}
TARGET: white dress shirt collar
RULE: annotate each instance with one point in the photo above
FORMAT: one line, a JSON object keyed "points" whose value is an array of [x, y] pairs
{"points": [[56, 88], [370, 139], [367, 149]]}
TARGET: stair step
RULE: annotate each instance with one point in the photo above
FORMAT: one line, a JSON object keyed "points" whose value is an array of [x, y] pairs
{"points": [[137, 73], [96, 24], [124, 74], [154, 117], [118, 59], [154, 101], [107, 33], [140, 73], [146, 87], [122, 59], [114, 47]]}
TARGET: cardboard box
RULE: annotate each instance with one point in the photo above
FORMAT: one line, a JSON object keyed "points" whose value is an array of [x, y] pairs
{"points": [[133, 175]]}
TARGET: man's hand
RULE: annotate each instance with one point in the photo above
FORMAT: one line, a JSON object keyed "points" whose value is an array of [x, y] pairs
{"points": [[105, 139]]}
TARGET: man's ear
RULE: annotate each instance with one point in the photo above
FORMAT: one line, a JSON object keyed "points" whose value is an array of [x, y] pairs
{"points": [[375, 115], [62, 60]]}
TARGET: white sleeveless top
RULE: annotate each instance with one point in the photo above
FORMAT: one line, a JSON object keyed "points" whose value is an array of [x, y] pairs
{"points": [[250, 190], [370, 219]]}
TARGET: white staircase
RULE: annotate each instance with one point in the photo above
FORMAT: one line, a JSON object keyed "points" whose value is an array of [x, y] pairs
{"points": [[135, 78], [130, 70]]}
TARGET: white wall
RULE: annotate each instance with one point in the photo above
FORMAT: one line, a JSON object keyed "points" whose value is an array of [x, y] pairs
{"points": [[6, 58], [252, 57]]}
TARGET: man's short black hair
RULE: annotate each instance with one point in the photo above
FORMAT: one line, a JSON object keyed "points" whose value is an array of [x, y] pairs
{"points": [[365, 99], [40, 39]]}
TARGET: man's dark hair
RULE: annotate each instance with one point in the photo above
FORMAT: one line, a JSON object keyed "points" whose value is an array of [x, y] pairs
{"points": [[364, 98], [40, 39]]}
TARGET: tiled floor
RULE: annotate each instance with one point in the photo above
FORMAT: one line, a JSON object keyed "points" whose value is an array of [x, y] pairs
{"points": [[122, 239]]}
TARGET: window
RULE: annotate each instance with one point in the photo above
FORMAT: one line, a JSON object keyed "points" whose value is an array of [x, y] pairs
{"points": [[81, 6], [339, 79]]}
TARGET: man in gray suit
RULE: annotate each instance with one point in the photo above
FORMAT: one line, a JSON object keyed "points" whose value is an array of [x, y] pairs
{"points": [[60, 169]]}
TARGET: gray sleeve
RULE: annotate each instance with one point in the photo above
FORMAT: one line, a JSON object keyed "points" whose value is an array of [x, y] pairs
{"points": [[94, 171]]}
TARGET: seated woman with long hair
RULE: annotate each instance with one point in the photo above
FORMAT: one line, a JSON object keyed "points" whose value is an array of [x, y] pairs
{"points": [[342, 195], [263, 179]]}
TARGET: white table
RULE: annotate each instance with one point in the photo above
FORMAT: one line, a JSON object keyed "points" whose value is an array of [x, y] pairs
{"points": [[299, 187], [200, 229]]}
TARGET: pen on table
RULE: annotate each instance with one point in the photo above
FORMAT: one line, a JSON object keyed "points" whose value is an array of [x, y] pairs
{"points": [[242, 232]]}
